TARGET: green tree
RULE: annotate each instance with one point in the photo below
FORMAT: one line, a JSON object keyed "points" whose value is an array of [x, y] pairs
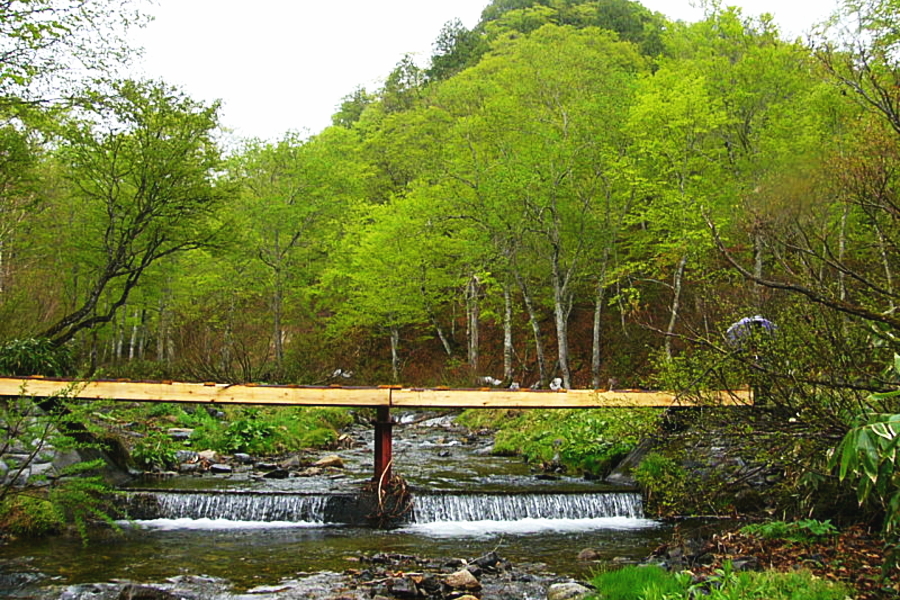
{"points": [[140, 165]]}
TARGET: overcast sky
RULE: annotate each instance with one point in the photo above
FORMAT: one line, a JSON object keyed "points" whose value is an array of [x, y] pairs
{"points": [[280, 65]]}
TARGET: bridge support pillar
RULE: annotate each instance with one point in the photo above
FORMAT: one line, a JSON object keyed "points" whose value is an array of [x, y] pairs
{"points": [[383, 432]]}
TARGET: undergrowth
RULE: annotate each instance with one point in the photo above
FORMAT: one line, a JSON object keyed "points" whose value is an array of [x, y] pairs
{"points": [[591, 441], [654, 583]]}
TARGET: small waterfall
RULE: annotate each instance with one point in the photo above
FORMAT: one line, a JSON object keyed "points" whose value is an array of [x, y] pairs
{"points": [[511, 507], [345, 508], [231, 505]]}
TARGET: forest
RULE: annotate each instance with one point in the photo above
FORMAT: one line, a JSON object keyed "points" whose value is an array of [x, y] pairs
{"points": [[573, 189]]}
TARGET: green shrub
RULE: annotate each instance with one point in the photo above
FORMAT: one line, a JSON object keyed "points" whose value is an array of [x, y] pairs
{"points": [[633, 583], [30, 516], [806, 531], [592, 441], [664, 482], [34, 356], [155, 450]]}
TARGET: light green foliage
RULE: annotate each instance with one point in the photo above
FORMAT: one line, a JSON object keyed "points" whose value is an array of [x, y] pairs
{"points": [[592, 441], [806, 531], [639, 583], [653, 583], [259, 431]]}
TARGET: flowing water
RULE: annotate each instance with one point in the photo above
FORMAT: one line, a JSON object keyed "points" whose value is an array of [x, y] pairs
{"points": [[252, 531]]}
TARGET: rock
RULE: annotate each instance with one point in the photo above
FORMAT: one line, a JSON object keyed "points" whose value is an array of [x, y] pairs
{"points": [[180, 433], [144, 592], [567, 591], [187, 456], [291, 463], [462, 580], [189, 468], [209, 455], [333, 461], [746, 563], [242, 458], [403, 587], [455, 563], [588, 554], [277, 474], [220, 469], [310, 472], [488, 561]]}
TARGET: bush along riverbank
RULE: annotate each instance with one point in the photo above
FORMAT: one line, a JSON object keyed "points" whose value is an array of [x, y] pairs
{"points": [[741, 465]]}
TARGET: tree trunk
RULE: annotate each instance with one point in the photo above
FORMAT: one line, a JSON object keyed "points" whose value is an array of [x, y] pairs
{"points": [[678, 282], [599, 298], [507, 334], [445, 342], [536, 328], [473, 315], [561, 317], [395, 355], [277, 334], [758, 245], [888, 272]]}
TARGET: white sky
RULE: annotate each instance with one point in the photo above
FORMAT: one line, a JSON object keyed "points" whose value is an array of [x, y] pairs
{"points": [[285, 65]]}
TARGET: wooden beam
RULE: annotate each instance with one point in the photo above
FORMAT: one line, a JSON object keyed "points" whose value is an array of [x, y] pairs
{"points": [[432, 398], [136, 391]]}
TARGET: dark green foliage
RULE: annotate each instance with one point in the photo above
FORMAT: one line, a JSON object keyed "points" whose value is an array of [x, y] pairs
{"points": [[34, 356], [665, 484], [155, 451], [807, 531]]}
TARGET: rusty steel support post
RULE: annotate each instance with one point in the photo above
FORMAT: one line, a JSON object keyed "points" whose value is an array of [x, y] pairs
{"points": [[383, 428]]}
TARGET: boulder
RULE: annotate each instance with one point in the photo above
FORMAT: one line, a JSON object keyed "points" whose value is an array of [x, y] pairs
{"points": [[220, 469], [567, 591], [588, 554], [333, 461], [209, 456], [462, 580]]}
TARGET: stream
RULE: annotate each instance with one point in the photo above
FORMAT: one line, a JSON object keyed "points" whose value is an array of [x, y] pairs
{"points": [[254, 532]]}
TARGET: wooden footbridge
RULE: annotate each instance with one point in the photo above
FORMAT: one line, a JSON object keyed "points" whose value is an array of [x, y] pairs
{"points": [[382, 398]]}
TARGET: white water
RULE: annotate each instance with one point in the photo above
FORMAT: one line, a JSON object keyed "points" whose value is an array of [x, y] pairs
{"points": [[487, 528]]}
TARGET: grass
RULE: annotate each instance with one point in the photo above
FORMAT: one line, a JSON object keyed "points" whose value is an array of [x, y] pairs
{"points": [[654, 583]]}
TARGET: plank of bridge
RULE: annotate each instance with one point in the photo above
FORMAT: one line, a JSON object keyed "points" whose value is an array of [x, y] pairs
{"points": [[200, 393], [436, 398]]}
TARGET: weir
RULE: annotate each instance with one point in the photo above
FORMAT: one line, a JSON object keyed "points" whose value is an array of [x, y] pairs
{"points": [[319, 509], [382, 398]]}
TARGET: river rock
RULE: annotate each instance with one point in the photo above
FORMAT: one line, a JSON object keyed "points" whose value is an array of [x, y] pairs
{"points": [[145, 592], [567, 591], [277, 474], [462, 580], [220, 469], [588, 554], [403, 587], [179, 433], [334, 461], [242, 458], [311, 472], [292, 463], [209, 456]]}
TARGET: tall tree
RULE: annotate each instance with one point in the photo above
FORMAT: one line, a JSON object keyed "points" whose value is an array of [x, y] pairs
{"points": [[141, 166]]}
